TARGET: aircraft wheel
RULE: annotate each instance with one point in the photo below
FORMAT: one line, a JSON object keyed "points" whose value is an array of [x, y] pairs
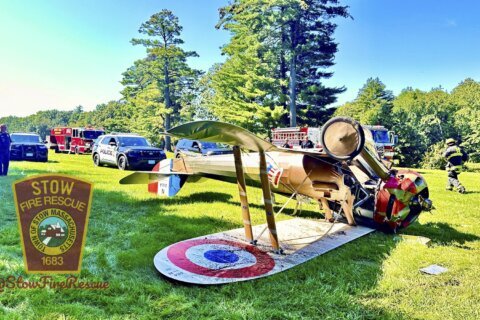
{"points": [[342, 138]]}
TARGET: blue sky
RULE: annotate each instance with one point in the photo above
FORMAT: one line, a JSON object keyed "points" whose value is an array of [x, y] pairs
{"points": [[60, 54]]}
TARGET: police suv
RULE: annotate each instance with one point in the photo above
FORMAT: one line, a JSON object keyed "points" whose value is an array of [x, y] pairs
{"points": [[28, 146], [126, 151], [186, 147]]}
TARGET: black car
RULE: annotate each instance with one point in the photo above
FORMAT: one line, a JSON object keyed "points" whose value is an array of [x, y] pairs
{"points": [[126, 151], [28, 146], [187, 147]]}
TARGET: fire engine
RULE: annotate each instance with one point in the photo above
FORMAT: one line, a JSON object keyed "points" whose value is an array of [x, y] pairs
{"points": [[384, 140], [295, 135], [73, 140]]}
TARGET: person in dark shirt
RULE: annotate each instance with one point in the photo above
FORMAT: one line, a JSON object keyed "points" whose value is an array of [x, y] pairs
{"points": [[5, 142], [455, 157], [287, 144], [307, 144]]}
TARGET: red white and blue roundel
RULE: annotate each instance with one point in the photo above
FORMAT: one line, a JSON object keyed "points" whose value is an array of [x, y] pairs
{"points": [[213, 260], [221, 258], [274, 174]]}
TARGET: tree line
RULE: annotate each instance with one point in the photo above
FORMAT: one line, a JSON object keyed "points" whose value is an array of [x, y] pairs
{"points": [[423, 120], [277, 59]]}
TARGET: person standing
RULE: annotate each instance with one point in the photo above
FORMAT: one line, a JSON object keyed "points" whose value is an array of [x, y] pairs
{"points": [[455, 157], [287, 144], [5, 142], [307, 143]]}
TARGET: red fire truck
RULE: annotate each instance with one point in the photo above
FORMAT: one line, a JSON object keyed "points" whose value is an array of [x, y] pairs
{"points": [[383, 139], [73, 140], [295, 135]]}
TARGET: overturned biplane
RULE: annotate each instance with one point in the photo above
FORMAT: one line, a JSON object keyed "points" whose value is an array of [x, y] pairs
{"points": [[346, 177]]}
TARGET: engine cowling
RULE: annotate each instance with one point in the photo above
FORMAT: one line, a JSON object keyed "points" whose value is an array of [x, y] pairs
{"points": [[400, 200]]}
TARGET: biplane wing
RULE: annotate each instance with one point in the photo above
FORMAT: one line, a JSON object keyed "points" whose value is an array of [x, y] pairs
{"points": [[213, 131], [216, 131], [146, 177], [345, 144]]}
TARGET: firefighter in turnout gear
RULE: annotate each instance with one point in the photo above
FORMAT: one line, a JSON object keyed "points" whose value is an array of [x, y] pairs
{"points": [[455, 157]]}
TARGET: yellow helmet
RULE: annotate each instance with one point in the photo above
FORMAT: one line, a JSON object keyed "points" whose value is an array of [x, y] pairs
{"points": [[450, 141]]}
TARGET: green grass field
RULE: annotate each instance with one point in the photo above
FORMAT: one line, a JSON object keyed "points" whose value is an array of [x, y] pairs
{"points": [[374, 277]]}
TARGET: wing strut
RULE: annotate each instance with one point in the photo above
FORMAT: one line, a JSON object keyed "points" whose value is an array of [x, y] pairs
{"points": [[242, 190], [267, 197]]}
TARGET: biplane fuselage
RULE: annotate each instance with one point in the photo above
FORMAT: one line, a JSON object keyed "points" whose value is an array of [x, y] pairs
{"points": [[297, 172]]}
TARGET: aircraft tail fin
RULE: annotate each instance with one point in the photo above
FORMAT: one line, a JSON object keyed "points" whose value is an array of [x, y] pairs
{"points": [[161, 180], [168, 184]]}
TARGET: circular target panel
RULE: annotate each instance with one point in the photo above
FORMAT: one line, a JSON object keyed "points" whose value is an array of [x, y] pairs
{"points": [[220, 258]]}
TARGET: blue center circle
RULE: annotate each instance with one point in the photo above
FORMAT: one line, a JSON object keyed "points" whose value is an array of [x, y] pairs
{"points": [[221, 256]]}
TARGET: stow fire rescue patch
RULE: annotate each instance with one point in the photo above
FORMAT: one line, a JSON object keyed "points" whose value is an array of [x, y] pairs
{"points": [[52, 212]]}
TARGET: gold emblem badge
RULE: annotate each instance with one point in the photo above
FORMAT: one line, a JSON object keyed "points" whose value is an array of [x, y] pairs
{"points": [[53, 213]]}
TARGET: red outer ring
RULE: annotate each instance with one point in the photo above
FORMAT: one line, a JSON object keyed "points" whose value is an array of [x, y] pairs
{"points": [[177, 255]]}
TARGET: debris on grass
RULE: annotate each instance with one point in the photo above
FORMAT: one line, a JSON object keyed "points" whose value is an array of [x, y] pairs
{"points": [[434, 269], [415, 239]]}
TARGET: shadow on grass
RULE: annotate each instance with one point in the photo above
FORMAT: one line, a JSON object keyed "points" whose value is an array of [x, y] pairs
{"points": [[331, 285], [140, 228], [440, 233], [124, 235], [198, 197], [423, 173]]}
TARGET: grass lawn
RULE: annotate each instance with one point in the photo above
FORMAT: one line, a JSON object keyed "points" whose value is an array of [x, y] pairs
{"points": [[376, 276]]}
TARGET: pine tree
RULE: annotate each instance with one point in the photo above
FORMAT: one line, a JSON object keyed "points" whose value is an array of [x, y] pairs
{"points": [[290, 44], [164, 74]]}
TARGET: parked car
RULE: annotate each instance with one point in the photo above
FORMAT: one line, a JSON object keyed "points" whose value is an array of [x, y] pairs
{"points": [[126, 151], [195, 148], [29, 147]]}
